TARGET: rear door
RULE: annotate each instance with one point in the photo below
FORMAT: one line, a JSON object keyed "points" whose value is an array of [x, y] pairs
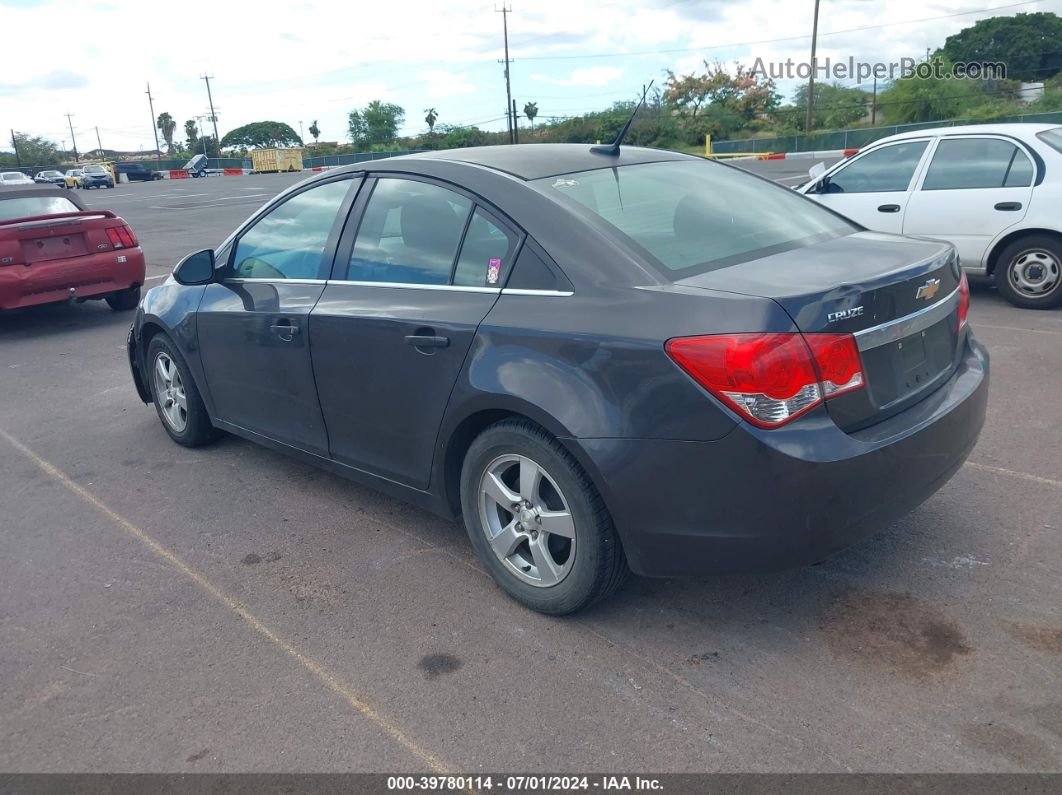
{"points": [[252, 326], [974, 189], [392, 329], [873, 188]]}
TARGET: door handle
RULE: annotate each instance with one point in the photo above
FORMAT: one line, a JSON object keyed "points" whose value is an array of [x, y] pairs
{"points": [[285, 330], [1009, 206], [427, 341], [889, 208]]}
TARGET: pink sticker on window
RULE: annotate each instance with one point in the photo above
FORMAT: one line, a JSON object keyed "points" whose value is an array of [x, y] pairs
{"points": [[493, 269]]}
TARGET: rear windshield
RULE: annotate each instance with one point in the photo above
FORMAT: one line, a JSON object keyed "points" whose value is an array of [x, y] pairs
{"points": [[1052, 138], [26, 206], [693, 216], [95, 170]]}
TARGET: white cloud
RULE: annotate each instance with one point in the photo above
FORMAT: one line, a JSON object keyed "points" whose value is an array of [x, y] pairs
{"points": [[310, 60]]}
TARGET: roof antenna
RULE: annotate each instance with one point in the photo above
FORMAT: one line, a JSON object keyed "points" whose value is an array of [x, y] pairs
{"points": [[614, 147]]}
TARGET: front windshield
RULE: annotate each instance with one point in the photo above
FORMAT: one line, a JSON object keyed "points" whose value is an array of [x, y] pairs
{"points": [[693, 216], [95, 170]]}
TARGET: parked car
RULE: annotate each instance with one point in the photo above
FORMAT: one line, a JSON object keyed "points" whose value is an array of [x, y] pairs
{"points": [[97, 176], [73, 178], [52, 248], [14, 178], [992, 190], [136, 172], [50, 178], [601, 361]]}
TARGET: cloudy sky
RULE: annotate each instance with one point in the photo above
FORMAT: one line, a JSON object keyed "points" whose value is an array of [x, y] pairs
{"points": [[302, 60]]}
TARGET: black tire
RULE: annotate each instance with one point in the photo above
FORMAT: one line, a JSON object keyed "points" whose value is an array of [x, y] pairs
{"points": [[124, 300], [197, 430], [597, 566], [1036, 256]]}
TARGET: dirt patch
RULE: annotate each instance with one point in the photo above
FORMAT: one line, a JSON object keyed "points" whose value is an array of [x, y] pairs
{"points": [[198, 755], [1027, 751], [1042, 637], [892, 631]]}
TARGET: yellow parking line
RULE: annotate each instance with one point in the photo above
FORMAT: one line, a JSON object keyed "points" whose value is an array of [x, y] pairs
{"points": [[322, 674]]}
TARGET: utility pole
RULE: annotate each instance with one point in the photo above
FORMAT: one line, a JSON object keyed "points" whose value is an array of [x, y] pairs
{"points": [[73, 140], [811, 78], [213, 115], [874, 103], [100, 145], [516, 135], [300, 131], [14, 143], [154, 125], [505, 11]]}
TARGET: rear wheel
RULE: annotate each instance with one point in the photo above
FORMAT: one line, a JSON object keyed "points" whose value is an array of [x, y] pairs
{"points": [[176, 397], [124, 300], [1029, 272], [537, 522]]}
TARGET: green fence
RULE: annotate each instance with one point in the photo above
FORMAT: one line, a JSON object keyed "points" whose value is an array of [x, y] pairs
{"points": [[855, 138]]}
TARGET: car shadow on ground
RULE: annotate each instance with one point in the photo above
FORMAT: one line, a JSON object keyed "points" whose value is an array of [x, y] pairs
{"points": [[51, 319]]}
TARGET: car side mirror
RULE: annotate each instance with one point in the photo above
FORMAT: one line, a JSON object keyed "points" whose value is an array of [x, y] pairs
{"points": [[197, 268], [818, 181]]}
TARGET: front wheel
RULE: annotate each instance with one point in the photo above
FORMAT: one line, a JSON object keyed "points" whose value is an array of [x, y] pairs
{"points": [[124, 300], [176, 396], [537, 522], [1029, 272]]}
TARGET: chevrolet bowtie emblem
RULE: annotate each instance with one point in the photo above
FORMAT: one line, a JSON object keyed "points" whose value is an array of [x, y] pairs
{"points": [[928, 290]]}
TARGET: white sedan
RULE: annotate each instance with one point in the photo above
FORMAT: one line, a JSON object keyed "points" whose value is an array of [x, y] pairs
{"points": [[15, 178], [994, 191]]}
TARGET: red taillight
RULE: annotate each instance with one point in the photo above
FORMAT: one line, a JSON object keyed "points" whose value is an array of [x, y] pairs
{"points": [[964, 301], [121, 237], [770, 379]]}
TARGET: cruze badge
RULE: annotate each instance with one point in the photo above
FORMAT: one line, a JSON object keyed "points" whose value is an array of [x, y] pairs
{"points": [[844, 314], [928, 290]]}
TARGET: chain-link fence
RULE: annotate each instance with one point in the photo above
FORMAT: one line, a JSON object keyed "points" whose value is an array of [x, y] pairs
{"points": [[855, 138]]}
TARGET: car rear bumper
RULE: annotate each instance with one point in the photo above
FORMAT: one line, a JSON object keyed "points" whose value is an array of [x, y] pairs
{"points": [[767, 500], [93, 275]]}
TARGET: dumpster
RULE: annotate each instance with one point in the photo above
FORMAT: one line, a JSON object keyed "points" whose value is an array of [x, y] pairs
{"points": [[269, 161]]}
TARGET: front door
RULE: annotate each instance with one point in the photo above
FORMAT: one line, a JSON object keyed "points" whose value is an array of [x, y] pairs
{"points": [[252, 326], [873, 188], [390, 334]]}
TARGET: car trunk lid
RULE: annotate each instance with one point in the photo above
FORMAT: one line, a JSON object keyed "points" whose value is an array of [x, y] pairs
{"points": [[898, 296], [26, 241]]}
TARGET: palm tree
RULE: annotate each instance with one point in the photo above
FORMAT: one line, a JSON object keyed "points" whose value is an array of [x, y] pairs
{"points": [[315, 131], [531, 110], [166, 126], [431, 118]]}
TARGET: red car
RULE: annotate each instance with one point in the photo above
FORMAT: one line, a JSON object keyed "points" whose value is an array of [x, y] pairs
{"points": [[52, 248]]}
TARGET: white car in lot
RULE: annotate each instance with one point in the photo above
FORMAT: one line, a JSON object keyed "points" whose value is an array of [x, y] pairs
{"points": [[15, 178], [994, 191]]}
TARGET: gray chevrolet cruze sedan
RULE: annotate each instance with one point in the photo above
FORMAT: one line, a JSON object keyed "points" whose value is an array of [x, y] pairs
{"points": [[603, 361]]}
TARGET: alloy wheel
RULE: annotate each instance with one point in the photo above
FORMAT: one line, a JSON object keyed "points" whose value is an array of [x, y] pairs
{"points": [[527, 520], [169, 391]]}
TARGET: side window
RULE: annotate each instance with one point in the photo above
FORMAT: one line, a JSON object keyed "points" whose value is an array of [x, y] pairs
{"points": [[409, 233], [289, 242], [486, 254], [968, 163], [888, 169]]}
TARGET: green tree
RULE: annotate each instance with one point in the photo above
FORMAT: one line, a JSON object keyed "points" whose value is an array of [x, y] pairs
{"points": [[430, 117], [375, 124], [262, 134], [315, 131], [836, 107], [531, 110], [166, 126], [911, 100], [191, 135], [1029, 44], [34, 151], [718, 102]]}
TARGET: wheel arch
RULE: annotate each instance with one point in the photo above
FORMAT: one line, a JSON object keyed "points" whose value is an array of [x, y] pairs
{"points": [[997, 249]]}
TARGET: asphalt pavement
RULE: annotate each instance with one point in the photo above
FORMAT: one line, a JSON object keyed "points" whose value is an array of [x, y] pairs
{"points": [[230, 609]]}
